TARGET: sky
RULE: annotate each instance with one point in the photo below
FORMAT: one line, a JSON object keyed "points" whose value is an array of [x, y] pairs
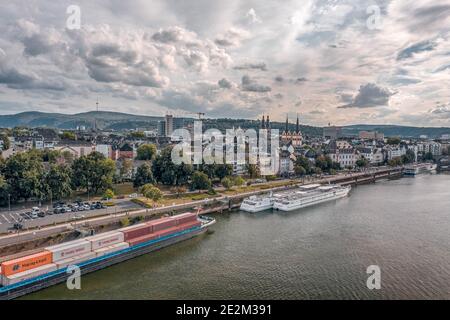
{"points": [[329, 61]]}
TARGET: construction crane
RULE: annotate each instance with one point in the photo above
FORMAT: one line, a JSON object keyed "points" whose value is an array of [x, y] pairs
{"points": [[200, 114]]}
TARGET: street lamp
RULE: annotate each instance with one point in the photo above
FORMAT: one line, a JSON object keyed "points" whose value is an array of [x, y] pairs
{"points": [[9, 202]]}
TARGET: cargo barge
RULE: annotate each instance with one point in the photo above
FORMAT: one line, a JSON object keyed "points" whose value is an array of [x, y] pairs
{"points": [[50, 267]]}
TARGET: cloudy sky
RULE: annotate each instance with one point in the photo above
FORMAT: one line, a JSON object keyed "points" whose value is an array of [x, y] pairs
{"points": [[343, 62]]}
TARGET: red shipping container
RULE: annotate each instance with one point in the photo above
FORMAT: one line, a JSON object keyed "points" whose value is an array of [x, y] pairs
{"points": [[166, 232], [133, 232], [162, 224], [139, 240], [189, 225]]}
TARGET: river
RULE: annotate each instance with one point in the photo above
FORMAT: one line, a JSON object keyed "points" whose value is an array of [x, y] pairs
{"points": [[322, 252]]}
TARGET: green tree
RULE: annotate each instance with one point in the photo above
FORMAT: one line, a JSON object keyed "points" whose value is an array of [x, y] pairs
{"points": [[227, 183], [126, 169], [394, 162], [151, 192], [68, 135], [409, 157], [6, 142], [299, 170], [93, 172], [143, 176], [253, 171], [4, 191], [169, 173], [24, 174], [200, 181], [223, 170], [324, 163], [304, 163], [108, 194], [238, 181], [58, 181], [362, 162], [146, 152], [393, 140], [428, 156]]}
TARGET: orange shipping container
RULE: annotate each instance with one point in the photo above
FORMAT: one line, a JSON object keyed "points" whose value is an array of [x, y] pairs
{"points": [[26, 263]]}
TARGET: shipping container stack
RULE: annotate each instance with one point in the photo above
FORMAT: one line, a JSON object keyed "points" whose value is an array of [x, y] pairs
{"points": [[63, 255]]}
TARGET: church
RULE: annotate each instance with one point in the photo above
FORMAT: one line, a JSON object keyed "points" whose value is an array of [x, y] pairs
{"points": [[295, 137]]}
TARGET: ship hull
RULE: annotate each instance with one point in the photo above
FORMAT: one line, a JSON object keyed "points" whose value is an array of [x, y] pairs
{"points": [[33, 285], [304, 204]]}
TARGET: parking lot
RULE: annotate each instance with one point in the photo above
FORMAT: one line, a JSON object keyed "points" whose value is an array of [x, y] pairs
{"points": [[24, 217]]}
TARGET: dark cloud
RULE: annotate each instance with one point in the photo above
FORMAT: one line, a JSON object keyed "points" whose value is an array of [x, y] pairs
{"points": [[168, 35], [252, 65], [369, 96], [224, 83], [248, 84], [416, 48]]}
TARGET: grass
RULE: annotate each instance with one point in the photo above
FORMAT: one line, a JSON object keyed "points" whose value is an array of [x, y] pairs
{"points": [[123, 189]]}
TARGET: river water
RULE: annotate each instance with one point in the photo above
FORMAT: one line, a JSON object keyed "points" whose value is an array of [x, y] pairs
{"points": [[322, 252]]}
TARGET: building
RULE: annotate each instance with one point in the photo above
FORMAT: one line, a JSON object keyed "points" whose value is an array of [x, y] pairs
{"points": [[345, 157], [105, 150], [168, 125], [435, 148], [161, 128], [293, 137], [126, 151], [332, 132], [75, 148], [371, 135]]}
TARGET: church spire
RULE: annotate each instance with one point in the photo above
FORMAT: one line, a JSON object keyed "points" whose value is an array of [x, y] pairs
{"points": [[287, 124], [267, 123], [297, 127], [263, 124]]}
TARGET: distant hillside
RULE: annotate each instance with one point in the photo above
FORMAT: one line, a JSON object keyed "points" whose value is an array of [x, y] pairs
{"points": [[400, 131], [104, 119], [123, 121]]}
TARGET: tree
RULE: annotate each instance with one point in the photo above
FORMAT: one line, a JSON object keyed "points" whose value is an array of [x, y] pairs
{"points": [[143, 176], [253, 171], [227, 183], [24, 174], [394, 162], [151, 192], [126, 169], [146, 152], [223, 170], [299, 170], [68, 135], [93, 172], [428, 156], [302, 165], [409, 157], [137, 134], [362, 162], [58, 180], [6, 142], [200, 181], [50, 155], [393, 140], [324, 163], [108, 194], [178, 190], [4, 191], [238, 181], [169, 173]]}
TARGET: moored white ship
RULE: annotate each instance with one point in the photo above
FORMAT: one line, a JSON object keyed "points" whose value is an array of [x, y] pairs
{"points": [[311, 196], [420, 168], [259, 203]]}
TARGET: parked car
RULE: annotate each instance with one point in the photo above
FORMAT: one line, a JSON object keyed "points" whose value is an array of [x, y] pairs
{"points": [[41, 214]]}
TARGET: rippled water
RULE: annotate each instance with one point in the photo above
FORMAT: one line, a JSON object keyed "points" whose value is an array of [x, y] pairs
{"points": [[403, 226]]}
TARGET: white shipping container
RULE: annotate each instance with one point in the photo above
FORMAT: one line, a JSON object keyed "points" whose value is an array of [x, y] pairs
{"points": [[72, 261], [21, 276], [105, 240], [71, 249], [116, 247]]}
